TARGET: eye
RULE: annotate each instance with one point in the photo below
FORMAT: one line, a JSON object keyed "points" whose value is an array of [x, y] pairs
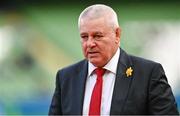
{"points": [[98, 37], [84, 37]]}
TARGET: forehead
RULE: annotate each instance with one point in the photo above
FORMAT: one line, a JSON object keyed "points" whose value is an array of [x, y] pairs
{"points": [[94, 25]]}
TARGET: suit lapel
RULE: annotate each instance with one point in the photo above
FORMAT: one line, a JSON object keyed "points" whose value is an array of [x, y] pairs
{"points": [[122, 84], [79, 87]]}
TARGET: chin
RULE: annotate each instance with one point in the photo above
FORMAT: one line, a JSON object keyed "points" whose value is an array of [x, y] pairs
{"points": [[97, 63]]}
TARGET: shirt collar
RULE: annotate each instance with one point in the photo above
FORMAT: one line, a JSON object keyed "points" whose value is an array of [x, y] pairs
{"points": [[110, 66]]}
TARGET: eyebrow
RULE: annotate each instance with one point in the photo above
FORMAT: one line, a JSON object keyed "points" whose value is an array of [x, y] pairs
{"points": [[98, 33], [84, 33]]}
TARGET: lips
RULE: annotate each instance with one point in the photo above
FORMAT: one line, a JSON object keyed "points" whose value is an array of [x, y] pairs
{"points": [[92, 52]]}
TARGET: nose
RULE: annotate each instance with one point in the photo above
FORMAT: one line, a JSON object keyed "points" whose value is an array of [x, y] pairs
{"points": [[91, 43]]}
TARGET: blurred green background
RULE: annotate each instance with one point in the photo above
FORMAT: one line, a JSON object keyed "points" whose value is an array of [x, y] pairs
{"points": [[37, 38]]}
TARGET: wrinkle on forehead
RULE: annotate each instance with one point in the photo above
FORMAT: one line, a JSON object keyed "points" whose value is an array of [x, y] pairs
{"points": [[97, 24]]}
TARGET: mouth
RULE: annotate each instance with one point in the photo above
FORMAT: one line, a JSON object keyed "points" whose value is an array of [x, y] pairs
{"points": [[93, 54]]}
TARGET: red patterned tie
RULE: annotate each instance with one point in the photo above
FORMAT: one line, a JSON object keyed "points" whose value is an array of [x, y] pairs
{"points": [[95, 103]]}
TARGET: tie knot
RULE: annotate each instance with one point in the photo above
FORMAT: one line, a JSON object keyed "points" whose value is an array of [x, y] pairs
{"points": [[100, 71]]}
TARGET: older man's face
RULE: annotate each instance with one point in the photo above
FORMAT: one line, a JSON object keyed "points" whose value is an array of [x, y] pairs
{"points": [[99, 40]]}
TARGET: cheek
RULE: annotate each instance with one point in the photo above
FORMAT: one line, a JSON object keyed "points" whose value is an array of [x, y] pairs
{"points": [[84, 48], [108, 49]]}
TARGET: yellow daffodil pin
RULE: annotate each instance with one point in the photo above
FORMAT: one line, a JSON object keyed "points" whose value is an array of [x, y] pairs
{"points": [[129, 72]]}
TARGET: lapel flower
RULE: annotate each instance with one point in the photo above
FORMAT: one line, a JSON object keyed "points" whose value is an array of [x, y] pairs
{"points": [[129, 71]]}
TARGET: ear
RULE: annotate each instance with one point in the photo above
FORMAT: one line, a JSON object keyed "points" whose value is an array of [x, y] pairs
{"points": [[118, 34]]}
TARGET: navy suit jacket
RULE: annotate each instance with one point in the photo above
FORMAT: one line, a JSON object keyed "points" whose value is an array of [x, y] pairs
{"points": [[146, 91]]}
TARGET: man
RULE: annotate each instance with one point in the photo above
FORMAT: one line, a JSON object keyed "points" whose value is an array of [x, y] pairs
{"points": [[109, 81]]}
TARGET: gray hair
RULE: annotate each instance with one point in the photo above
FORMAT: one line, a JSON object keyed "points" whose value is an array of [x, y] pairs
{"points": [[98, 11]]}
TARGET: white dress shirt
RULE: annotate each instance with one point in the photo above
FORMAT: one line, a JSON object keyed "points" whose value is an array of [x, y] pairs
{"points": [[108, 85]]}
